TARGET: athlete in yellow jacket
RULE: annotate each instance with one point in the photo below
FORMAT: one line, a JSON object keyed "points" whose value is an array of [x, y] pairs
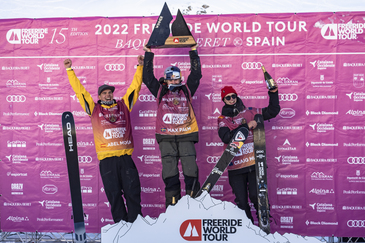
{"points": [[114, 142]]}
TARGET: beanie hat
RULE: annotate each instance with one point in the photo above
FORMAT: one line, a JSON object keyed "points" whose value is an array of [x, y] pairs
{"points": [[227, 90], [104, 87]]}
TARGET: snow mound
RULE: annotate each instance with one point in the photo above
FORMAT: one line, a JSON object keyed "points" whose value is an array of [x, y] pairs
{"points": [[202, 219]]}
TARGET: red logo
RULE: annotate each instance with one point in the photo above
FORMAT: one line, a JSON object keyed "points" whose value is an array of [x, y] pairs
{"points": [[235, 144], [191, 230], [176, 40]]}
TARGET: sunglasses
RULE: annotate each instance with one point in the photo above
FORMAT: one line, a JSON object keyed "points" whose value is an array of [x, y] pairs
{"points": [[228, 97]]}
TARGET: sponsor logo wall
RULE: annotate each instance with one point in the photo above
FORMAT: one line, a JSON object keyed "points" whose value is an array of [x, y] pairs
{"points": [[315, 142]]}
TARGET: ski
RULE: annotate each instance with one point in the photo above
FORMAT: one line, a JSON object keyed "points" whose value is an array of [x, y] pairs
{"points": [[231, 150], [69, 138], [261, 175]]}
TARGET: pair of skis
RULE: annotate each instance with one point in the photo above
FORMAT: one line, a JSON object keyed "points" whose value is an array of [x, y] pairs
{"points": [[69, 138], [260, 158]]}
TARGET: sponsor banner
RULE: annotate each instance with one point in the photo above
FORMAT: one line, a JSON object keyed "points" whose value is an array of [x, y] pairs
{"points": [[315, 59]]}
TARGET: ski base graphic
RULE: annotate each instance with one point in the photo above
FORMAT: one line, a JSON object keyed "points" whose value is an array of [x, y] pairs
{"points": [[261, 174], [231, 150]]}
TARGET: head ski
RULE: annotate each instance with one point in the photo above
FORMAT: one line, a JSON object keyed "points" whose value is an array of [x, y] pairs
{"points": [[69, 138]]}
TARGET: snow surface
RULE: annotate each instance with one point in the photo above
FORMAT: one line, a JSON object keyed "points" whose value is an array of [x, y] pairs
{"points": [[166, 228]]}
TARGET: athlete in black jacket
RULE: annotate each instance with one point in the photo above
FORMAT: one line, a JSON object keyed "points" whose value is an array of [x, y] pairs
{"points": [[241, 171], [176, 125]]}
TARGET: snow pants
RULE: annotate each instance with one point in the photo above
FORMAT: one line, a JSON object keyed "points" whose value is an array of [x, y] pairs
{"points": [[171, 152], [244, 187], [120, 178]]}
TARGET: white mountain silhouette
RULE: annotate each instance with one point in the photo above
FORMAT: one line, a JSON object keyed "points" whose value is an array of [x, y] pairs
{"points": [[168, 226]]}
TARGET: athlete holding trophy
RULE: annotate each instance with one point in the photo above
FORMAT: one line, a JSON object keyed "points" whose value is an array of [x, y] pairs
{"points": [[176, 125]]}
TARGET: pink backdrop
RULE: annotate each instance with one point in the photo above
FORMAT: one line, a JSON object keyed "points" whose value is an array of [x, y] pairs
{"points": [[315, 146]]}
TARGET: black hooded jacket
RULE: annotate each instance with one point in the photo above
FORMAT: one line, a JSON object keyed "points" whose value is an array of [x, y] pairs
{"points": [[233, 110], [155, 85], [268, 112]]}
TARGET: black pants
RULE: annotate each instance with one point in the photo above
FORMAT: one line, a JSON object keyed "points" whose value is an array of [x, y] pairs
{"points": [[244, 187], [120, 176]]}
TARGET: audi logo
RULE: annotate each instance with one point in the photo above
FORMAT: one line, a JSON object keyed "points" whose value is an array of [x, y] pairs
{"points": [[356, 160], [15, 98], [356, 223], [288, 97], [85, 159], [146, 98], [251, 65], [114, 67], [212, 159]]}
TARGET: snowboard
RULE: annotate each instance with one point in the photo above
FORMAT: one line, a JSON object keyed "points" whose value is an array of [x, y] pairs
{"points": [[69, 138], [231, 150], [261, 175]]}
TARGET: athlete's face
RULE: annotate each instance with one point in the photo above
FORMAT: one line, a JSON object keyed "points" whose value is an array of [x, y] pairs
{"points": [[230, 99], [106, 95]]}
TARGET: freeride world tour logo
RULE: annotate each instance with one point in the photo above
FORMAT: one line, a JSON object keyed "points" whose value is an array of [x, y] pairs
{"points": [[347, 31], [191, 230], [25, 36], [209, 229]]}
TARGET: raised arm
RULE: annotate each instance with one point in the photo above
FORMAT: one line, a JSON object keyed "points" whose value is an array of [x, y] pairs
{"points": [[131, 96], [195, 71], [149, 78], [274, 108], [85, 99]]}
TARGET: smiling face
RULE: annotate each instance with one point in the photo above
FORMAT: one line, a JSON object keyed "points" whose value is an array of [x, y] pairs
{"points": [[230, 99], [106, 95]]}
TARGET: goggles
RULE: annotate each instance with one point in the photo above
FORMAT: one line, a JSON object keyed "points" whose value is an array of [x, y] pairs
{"points": [[172, 75]]}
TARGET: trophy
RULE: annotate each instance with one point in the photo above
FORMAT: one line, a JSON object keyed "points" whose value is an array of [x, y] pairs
{"points": [[181, 35]]}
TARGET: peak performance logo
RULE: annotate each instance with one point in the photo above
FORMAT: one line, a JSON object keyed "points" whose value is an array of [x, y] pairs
{"points": [[209, 229], [347, 31], [25, 36]]}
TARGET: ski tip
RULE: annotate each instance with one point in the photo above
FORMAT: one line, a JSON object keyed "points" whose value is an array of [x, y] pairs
{"points": [[259, 118], [66, 114]]}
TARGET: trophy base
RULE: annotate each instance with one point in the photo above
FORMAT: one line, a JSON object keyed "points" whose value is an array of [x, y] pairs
{"points": [[176, 42]]}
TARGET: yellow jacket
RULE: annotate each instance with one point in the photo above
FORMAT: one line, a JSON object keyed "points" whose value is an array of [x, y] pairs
{"points": [[88, 104]]}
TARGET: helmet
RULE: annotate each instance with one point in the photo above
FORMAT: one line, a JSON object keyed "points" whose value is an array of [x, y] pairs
{"points": [[171, 73]]}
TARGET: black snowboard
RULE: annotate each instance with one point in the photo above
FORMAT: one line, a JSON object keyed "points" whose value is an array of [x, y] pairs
{"points": [[261, 176], [231, 150], [69, 138]]}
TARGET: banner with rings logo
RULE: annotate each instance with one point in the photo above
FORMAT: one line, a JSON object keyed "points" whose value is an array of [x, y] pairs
{"points": [[314, 58]]}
